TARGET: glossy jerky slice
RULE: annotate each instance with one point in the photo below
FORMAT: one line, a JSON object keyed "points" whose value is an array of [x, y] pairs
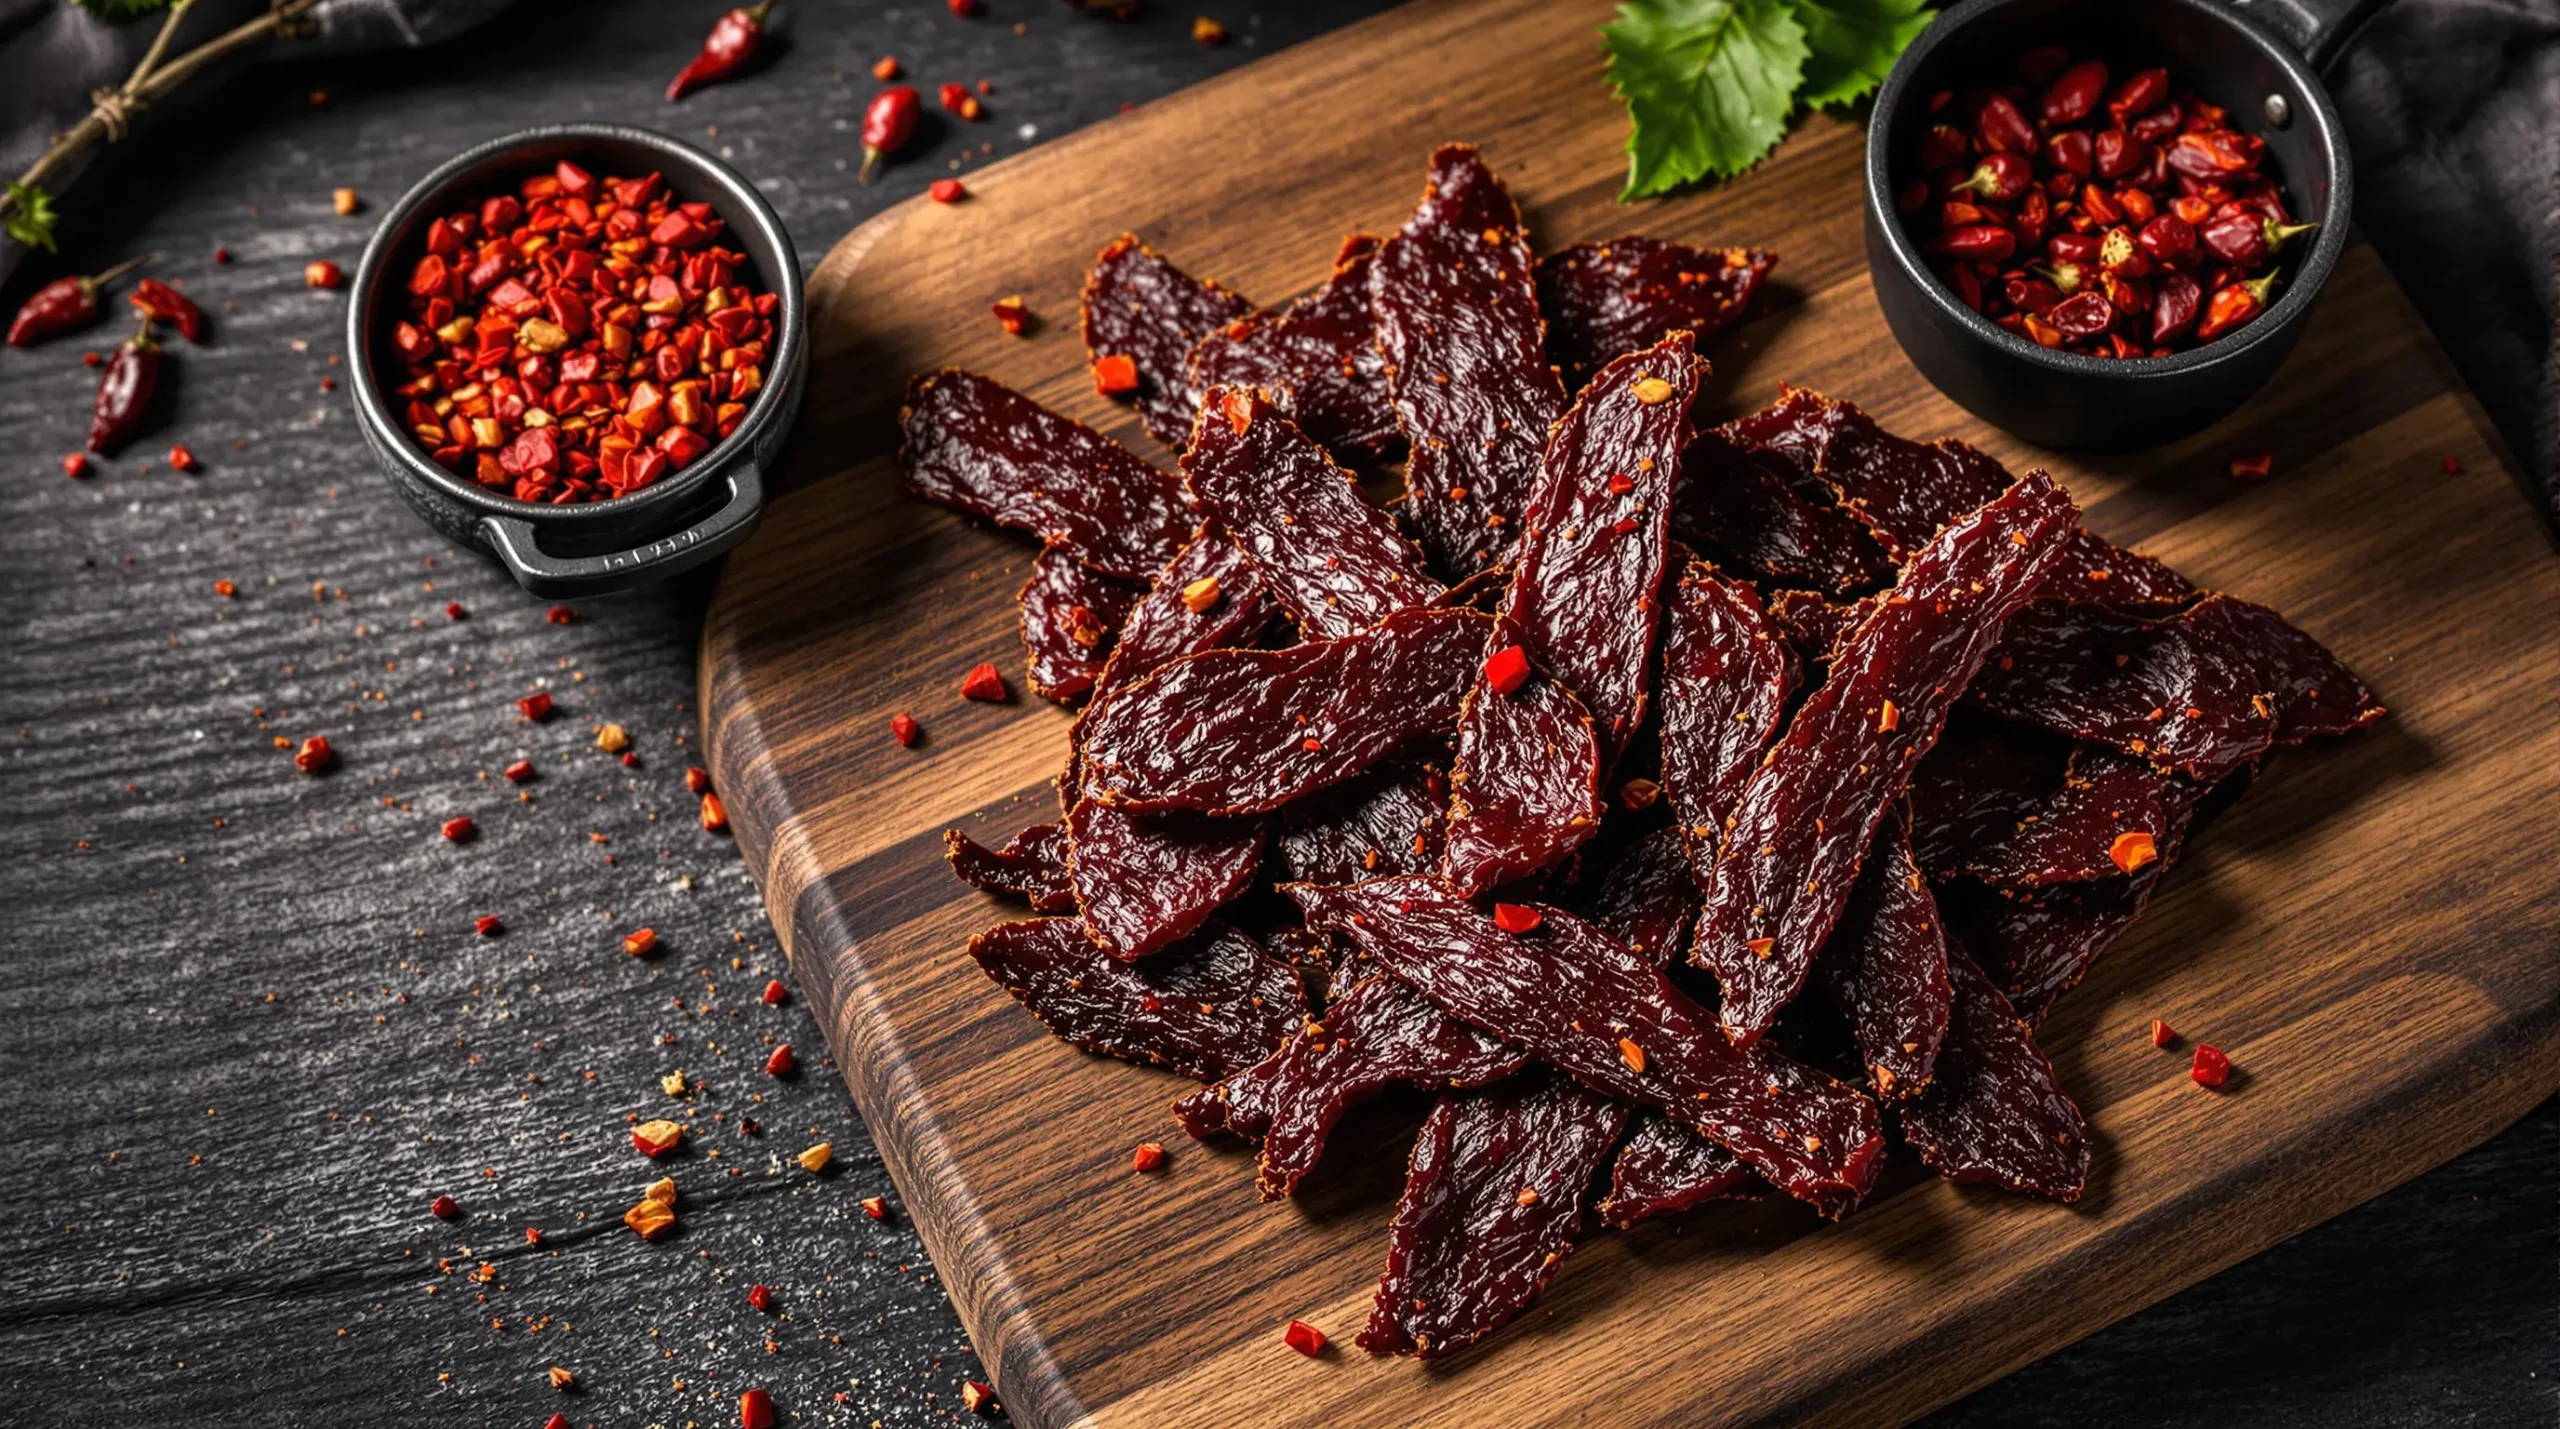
{"points": [[1739, 508], [1886, 969], [2070, 835], [1138, 306], [1144, 880], [1456, 299], [1376, 1035], [1245, 731], [1335, 562], [1317, 360], [1995, 1111], [2203, 691], [1525, 789], [1384, 822], [1985, 776], [1215, 1004], [1814, 625], [1162, 627], [1647, 896], [1032, 866], [1666, 1168], [1792, 852], [1070, 615], [1726, 679], [1602, 300], [1492, 1201], [978, 446], [1587, 1004]]}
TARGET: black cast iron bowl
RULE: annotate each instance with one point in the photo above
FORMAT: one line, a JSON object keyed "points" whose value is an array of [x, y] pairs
{"points": [[2062, 399], [684, 520]]}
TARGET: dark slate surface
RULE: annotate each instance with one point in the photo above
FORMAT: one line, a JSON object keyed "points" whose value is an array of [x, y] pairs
{"points": [[249, 1033]]}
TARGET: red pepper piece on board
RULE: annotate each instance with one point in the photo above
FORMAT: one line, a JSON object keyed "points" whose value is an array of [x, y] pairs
{"points": [[154, 298], [904, 729], [887, 123], [760, 1297], [1306, 1339], [2211, 1068], [64, 305], [731, 43], [2162, 1034], [947, 190], [984, 683]]}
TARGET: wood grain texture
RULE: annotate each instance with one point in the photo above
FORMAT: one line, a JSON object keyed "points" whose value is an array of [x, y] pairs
{"points": [[2367, 934]]}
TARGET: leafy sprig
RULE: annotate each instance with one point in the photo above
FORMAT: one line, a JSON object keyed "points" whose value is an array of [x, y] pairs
{"points": [[31, 216]]}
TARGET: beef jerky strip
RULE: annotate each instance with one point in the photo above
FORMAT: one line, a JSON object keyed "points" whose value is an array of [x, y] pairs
{"points": [[1456, 298], [1205, 597], [1587, 1004], [1372, 1037], [978, 446], [1886, 969], [1334, 562], [1138, 306], [1032, 866], [1602, 300], [1384, 822], [1492, 1201], [1210, 1007], [1726, 678], [1581, 609], [1794, 844], [1647, 897], [1144, 880], [1986, 776], [2079, 831], [1665, 1167], [1070, 612], [1814, 625], [1245, 731], [1995, 1111], [2203, 691], [1318, 361], [1738, 506]]}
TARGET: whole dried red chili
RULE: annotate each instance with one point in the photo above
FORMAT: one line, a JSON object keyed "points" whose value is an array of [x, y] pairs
{"points": [[154, 298], [125, 390], [730, 45], [887, 124], [64, 305]]}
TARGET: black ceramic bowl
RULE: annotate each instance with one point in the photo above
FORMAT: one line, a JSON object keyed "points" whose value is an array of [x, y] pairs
{"points": [[690, 517], [2062, 399]]}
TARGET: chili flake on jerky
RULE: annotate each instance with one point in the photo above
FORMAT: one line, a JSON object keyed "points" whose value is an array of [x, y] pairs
{"points": [[1139, 307], [2074, 834], [1317, 360], [1456, 298], [1796, 840], [1726, 679], [1886, 969], [1601, 300], [1207, 1008], [1994, 1110], [1070, 612]]}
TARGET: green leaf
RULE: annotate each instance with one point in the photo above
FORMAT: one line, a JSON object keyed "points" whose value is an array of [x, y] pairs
{"points": [[1854, 43], [118, 11], [31, 216], [1708, 85]]}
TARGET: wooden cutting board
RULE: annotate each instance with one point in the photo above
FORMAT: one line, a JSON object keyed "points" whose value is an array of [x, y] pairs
{"points": [[2370, 933]]}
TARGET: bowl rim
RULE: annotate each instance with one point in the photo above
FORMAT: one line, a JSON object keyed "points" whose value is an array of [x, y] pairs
{"points": [[737, 200], [2274, 325]]}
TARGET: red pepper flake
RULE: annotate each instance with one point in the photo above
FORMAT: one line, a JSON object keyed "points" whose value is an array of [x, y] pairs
{"points": [[2453, 466], [453, 611], [533, 1236], [1201, 596], [2252, 465], [1516, 917], [536, 706], [1639, 793], [1621, 484], [1306, 1339], [557, 1420], [520, 772], [964, 8], [876, 1207], [222, 255], [775, 994], [2211, 1068], [885, 69], [1115, 373], [1888, 718], [654, 1139], [560, 615], [487, 925], [954, 95], [2162, 1034], [1148, 1157], [93, 359], [460, 830], [697, 780], [225, 589], [947, 190], [1013, 314], [76, 465], [321, 273], [1625, 526], [977, 1396], [755, 1410], [314, 755], [1206, 31], [640, 941], [444, 1208], [983, 683], [1507, 669], [903, 727], [2133, 849], [630, 759], [715, 815], [781, 1062], [760, 1296], [1311, 745], [182, 459]]}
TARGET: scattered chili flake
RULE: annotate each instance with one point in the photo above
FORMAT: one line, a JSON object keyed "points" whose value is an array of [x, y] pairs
{"points": [[876, 1207], [460, 830], [444, 1208], [2211, 1068], [775, 994], [964, 8], [760, 1296], [2132, 849], [1115, 373], [559, 1375], [93, 359], [2162, 1034], [1631, 1054], [342, 201], [560, 615], [903, 728], [533, 1235], [1148, 1157], [947, 190], [225, 589], [673, 1083], [983, 683], [520, 772], [1888, 718], [487, 925], [2452, 465], [885, 69], [1639, 793], [630, 759], [1516, 917], [535, 706], [221, 255], [1507, 669], [1306, 1339], [697, 780], [76, 465], [1012, 314], [1208, 32], [755, 1410], [656, 1138], [954, 95], [2252, 465], [182, 459], [314, 755], [715, 815], [1651, 391], [651, 1219], [613, 739], [662, 1191], [639, 941], [976, 1396], [781, 1062], [321, 273], [453, 611], [815, 1159]]}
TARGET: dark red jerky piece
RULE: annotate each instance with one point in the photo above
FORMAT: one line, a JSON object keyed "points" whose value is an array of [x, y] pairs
{"points": [[1210, 1007], [1492, 1201], [1070, 613], [1144, 880], [1602, 300], [1466, 361], [1726, 678], [1647, 896], [1579, 1000], [1317, 360], [1032, 866], [1245, 731], [1525, 791], [1985, 776], [1377, 1034], [1384, 822], [1666, 1168], [1162, 627], [2096, 571], [1138, 306], [1334, 562], [978, 446], [1814, 625], [1886, 969], [2070, 835], [1995, 1111], [1791, 856], [1737, 507], [2203, 691]]}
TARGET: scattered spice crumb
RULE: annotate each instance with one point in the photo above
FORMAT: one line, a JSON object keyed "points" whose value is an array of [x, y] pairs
{"points": [[520, 772], [560, 1376], [886, 69], [964, 8], [460, 830], [654, 1139], [1148, 1157], [2211, 1068], [321, 273], [1516, 917], [182, 459], [488, 925], [225, 589], [904, 728], [760, 1296], [1306, 1339], [876, 1207], [948, 190], [1115, 373], [76, 465], [560, 615], [536, 706], [984, 683], [613, 739], [2162, 1034], [696, 779], [775, 994], [651, 1219], [453, 611], [1012, 314], [444, 1208], [639, 941], [815, 1159], [1208, 32], [2452, 465], [715, 815], [781, 1062], [222, 255], [314, 755]]}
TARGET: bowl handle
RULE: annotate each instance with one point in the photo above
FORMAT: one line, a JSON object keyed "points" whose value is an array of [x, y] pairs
{"points": [[519, 548]]}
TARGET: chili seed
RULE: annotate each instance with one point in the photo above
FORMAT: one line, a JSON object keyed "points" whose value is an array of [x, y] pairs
{"points": [[885, 68], [559, 1375]]}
